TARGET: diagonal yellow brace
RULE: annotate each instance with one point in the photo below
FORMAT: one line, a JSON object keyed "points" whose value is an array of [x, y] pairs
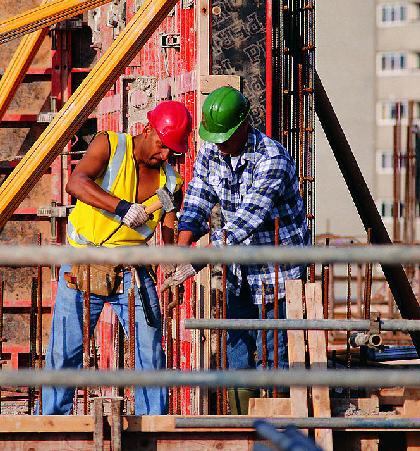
{"points": [[43, 16], [77, 109], [19, 65]]}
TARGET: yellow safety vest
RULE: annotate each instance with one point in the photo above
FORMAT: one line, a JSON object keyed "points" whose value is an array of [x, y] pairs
{"points": [[90, 226]]}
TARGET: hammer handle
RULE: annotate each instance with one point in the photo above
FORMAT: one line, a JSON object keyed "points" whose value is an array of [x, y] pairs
{"points": [[153, 207]]}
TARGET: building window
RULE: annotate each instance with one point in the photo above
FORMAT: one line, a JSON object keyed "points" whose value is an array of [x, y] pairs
{"points": [[386, 208], [387, 112], [392, 61], [392, 13], [385, 162]]}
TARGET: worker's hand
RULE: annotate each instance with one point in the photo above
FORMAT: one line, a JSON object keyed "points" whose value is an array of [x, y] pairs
{"points": [[167, 269], [132, 215], [181, 274]]}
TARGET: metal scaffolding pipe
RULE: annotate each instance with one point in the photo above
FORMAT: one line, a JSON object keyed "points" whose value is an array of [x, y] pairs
{"points": [[132, 255], [305, 423], [238, 378], [405, 325], [362, 198]]}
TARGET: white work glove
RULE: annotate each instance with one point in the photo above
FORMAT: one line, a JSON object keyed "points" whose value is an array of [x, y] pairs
{"points": [[167, 269], [181, 274], [132, 215]]}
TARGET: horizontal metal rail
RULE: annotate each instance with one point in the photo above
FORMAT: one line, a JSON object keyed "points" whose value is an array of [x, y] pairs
{"points": [[318, 423], [234, 378], [55, 255], [300, 324]]}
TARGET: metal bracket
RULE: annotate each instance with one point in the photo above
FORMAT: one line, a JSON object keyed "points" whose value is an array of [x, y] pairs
{"points": [[375, 324], [170, 41], [54, 212]]}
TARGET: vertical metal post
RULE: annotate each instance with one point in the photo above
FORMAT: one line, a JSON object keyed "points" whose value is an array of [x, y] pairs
{"points": [[86, 335], [39, 326], [301, 130], [132, 335], [224, 332]]}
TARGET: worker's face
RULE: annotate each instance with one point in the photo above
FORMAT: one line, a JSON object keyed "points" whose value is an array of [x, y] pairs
{"points": [[236, 143], [154, 152]]}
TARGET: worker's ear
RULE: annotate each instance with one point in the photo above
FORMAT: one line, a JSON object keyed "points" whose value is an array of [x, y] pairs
{"points": [[146, 130]]}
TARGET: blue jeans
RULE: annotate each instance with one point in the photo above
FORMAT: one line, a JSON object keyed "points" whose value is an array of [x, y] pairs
{"points": [[65, 349], [243, 344]]}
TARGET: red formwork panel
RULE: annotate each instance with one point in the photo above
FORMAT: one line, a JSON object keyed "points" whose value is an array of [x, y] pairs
{"points": [[173, 70]]}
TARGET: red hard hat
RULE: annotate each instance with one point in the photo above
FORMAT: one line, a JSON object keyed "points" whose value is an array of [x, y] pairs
{"points": [[173, 123]]}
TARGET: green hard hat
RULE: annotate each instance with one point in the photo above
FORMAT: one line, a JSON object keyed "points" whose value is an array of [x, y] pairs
{"points": [[224, 110]]}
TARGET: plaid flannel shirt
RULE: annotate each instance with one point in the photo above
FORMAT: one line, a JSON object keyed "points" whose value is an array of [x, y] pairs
{"points": [[263, 186]]}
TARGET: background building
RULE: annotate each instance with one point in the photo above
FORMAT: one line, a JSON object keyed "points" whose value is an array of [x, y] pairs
{"points": [[369, 59]]}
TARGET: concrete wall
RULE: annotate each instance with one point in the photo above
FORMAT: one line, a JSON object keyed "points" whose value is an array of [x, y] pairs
{"points": [[346, 64]]}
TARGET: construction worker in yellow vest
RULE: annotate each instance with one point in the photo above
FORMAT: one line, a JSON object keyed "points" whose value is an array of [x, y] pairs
{"points": [[114, 183]]}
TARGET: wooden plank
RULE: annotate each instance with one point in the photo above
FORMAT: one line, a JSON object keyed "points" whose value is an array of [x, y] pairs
{"points": [[269, 407], [47, 423], [318, 359], [296, 347]]}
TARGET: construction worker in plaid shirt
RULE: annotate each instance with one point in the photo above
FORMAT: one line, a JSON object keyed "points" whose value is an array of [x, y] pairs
{"points": [[253, 178]]}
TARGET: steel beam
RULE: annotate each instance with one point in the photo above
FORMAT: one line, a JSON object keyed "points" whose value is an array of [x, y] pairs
{"points": [[19, 65], [77, 109], [43, 16]]}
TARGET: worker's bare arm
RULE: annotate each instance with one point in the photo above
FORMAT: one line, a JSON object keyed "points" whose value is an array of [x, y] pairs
{"points": [[82, 184], [168, 226]]}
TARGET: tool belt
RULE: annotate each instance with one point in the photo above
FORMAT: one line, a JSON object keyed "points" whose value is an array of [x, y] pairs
{"points": [[105, 280]]}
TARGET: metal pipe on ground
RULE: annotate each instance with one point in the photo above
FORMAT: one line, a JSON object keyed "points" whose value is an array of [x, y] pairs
{"points": [[309, 423], [383, 377], [394, 273], [302, 324]]}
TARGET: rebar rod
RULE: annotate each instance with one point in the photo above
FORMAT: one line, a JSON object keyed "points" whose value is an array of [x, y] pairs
{"points": [[86, 335], [276, 299], [177, 398], [405, 325], [32, 340], [219, 399], [264, 331], [305, 423], [132, 335], [1, 326], [366, 207], [368, 281], [242, 255], [238, 378], [396, 161], [224, 332], [39, 326], [348, 317], [169, 349]]}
